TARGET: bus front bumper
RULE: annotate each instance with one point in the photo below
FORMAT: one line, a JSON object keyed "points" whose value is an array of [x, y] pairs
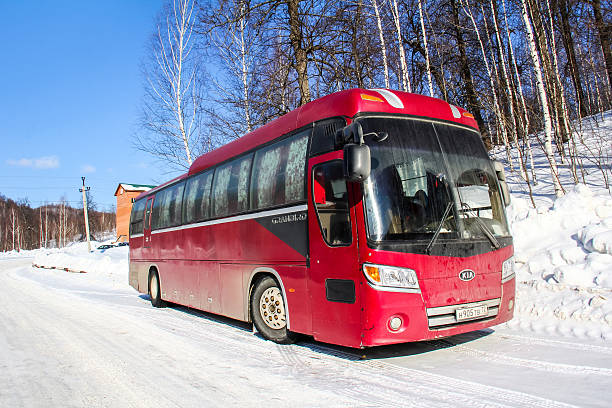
{"points": [[399, 317]]}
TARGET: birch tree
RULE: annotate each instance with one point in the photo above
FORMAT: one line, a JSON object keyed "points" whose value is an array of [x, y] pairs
{"points": [[497, 110], [465, 72], [170, 124], [381, 37], [405, 78], [426, 48], [563, 10], [604, 29], [233, 44], [548, 130]]}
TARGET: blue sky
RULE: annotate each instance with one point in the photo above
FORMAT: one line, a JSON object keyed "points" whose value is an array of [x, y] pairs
{"points": [[70, 90]]}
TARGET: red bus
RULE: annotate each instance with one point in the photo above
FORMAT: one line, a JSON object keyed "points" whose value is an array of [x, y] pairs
{"points": [[363, 218]]}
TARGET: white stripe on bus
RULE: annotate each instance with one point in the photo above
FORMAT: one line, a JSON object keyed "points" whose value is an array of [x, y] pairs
{"points": [[262, 214]]}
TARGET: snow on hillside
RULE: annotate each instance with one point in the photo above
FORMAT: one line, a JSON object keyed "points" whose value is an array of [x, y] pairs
{"points": [[563, 247]]}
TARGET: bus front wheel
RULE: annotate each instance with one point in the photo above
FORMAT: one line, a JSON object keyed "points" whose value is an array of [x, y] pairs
{"points": [[155, 290], [268, 312]]}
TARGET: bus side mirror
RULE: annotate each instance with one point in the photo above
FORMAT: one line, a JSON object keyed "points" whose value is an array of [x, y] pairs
{"points": [[501, 176], [356, 162]]}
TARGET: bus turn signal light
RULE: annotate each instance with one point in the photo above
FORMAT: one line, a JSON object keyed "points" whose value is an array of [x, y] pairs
{"points": [[372, 272]]}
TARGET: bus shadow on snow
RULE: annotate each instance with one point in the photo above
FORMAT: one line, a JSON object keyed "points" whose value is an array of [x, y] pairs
{"points": [[424, 347], [346, 353], [395, 350]]}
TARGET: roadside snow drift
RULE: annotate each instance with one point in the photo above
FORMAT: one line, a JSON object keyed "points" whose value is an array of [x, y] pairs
{"points": [[109, 266]]}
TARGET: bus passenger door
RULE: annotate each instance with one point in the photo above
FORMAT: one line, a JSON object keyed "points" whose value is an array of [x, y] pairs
{"points": [[334, 265]]}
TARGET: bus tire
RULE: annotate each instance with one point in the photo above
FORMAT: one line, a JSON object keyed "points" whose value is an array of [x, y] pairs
{"points": [[268, 312], [155, 290]]}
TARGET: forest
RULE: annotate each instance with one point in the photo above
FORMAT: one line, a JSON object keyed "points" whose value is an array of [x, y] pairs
{"points": [[48, 226], [217, 69]]}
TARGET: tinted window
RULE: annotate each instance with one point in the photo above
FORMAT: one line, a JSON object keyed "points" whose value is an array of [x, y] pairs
{"points": [[196, 205], [167, 207], [231, 187], [278, 173], [137, 216]]}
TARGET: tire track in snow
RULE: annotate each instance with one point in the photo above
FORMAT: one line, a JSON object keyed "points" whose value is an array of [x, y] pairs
{"points": [[300, 368], [477, 395], [556, 343], [558, 368], [364, 382]]}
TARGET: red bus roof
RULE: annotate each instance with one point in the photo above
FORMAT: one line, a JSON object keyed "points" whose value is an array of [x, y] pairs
{"points": [[344, 103]]}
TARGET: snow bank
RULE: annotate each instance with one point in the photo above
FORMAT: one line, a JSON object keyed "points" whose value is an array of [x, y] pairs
{"points": [[108, 266], [569, 243], [564, 264], [563, 247], [19, 254]]}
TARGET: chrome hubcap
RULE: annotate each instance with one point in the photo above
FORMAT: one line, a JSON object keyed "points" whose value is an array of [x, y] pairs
{"points": [[272, 308]]}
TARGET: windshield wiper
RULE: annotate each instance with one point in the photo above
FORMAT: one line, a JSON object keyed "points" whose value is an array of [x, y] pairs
{"points": [[485, 230], [435, 237]]}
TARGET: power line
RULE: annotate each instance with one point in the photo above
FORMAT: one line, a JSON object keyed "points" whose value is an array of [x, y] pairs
{"points": [[51, 177], [53, 202], [34, 188]]}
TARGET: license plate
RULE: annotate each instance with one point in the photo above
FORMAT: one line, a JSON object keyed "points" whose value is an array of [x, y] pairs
{"points": [[471, 313]]}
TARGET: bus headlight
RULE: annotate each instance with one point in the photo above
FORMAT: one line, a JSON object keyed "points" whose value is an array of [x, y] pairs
{"points": [[508, 270], [390, 276]]}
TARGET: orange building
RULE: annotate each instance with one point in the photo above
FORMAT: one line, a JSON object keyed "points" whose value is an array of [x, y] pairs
{"points": [[126, 193]]}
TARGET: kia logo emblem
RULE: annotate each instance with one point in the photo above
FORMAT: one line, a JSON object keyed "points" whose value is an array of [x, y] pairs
{"points": [[467, 275]]}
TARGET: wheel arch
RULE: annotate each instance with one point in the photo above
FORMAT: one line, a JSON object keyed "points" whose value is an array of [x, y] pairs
{"points": [[256, 275]]}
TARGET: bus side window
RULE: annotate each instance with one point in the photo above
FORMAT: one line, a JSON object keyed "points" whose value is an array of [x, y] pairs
{"points": [[231, 187], [196, 203], [175, 205], [278, 172], [167, 207], [156, 211], [238, 189], [137, 216], [331, 202]]}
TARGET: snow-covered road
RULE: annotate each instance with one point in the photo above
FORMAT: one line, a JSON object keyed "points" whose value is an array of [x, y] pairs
{"points": [[68, 340]]}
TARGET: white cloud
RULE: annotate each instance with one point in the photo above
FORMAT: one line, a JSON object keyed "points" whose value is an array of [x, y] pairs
{"points": [[45, 162], [88, 168]]}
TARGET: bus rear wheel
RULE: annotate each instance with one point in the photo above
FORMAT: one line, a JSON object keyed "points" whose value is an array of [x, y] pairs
{"points": [[268, 312], [155, 290]]}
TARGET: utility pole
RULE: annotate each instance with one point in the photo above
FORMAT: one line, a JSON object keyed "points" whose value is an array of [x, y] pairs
{"points": [[40, 238], [83, 190], [46, 219]]}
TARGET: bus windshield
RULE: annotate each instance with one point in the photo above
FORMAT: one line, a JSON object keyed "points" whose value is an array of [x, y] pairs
{"points": [[428, 176]]}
